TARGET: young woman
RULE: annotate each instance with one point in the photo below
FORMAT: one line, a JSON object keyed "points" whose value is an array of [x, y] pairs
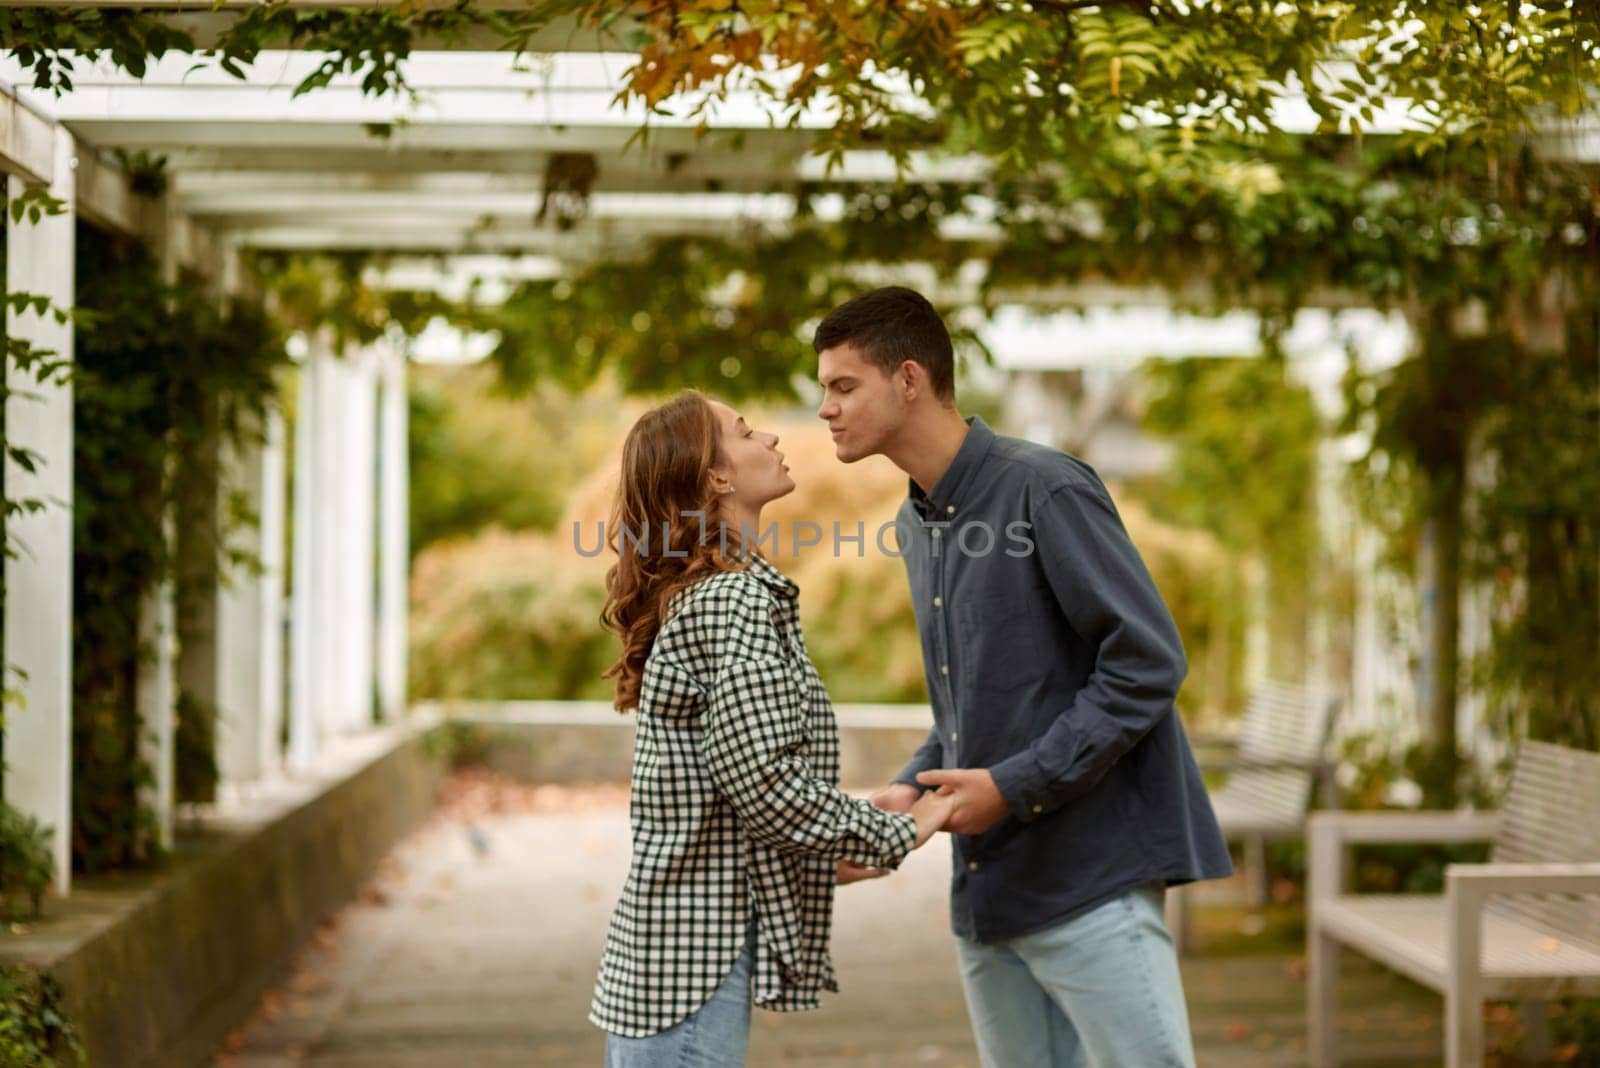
{"points": [[740, 832]]}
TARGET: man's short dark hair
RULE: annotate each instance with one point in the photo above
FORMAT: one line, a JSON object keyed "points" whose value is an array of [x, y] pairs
{"points": [[890, 326]]}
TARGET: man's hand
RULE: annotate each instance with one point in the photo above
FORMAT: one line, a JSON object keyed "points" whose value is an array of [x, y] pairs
{"points": [[978, 803], [932, 811], [896, 797], [848, 872]]}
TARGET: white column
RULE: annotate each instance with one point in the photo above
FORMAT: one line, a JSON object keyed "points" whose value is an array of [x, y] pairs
{"points": [[328, 622], [38, 595], [274, 484], [357, 501], [304, 655], [246, 639], [1368, 646], [394, 532], [156, 697], [1323, 674]]}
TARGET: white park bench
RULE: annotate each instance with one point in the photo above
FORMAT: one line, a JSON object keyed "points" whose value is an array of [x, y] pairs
{"points": [[1525, 926], [1279, 760]]}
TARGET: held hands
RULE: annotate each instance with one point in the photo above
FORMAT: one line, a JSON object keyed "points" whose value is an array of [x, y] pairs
{"points": [[896, 797], [930, 810], [976, 802]]}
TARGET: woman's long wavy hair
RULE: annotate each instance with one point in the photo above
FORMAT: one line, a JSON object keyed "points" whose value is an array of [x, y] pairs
{"points": [[664, 500]]}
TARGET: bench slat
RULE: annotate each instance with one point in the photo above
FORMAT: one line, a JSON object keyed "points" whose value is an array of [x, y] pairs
{"points": [[1409, 932], [1552, 815], [1281, 723]]}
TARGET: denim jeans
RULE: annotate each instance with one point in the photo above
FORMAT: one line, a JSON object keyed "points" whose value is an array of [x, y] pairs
{"points": [[1102, 989], [715, 1035]]}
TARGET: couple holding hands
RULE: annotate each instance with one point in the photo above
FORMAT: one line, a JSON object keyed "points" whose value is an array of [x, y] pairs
{"points": [[1056, 760]]}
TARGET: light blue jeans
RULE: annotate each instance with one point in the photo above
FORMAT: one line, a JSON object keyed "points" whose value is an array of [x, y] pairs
{"points": [[1102, 989], [715, 1035]]}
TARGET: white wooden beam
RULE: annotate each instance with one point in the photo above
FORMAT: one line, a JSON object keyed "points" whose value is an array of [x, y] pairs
{"points": [[660, 210], [420, 237], [228, 192], [105, 198], [27, 142], [38, 595], [244, 142], [678, 167], [206, 21]]}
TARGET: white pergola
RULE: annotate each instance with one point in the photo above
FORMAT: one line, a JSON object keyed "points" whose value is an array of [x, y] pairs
{"points": [[454, 193], [451, 185]]}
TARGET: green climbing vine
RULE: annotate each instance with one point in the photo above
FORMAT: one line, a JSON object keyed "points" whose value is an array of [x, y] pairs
{"points": [[167, 378], [34, 1028]]}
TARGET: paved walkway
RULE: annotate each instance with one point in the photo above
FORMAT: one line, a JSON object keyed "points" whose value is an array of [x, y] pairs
{"points": [[477, 942]]}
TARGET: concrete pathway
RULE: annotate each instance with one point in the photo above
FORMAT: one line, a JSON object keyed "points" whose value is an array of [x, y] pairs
{"points": [[477, 942]]}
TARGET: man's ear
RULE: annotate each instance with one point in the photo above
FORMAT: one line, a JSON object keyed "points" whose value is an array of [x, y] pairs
{"points": [[911, 379]]}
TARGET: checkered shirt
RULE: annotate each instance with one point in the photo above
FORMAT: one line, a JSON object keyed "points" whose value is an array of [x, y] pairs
{"points": [[736, 813]]}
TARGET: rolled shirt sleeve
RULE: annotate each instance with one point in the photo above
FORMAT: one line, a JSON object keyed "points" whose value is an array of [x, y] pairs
{"points": [[1108, 597], [756, 732]]}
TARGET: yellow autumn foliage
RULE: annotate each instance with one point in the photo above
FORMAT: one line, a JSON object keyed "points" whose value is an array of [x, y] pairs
{"points": [[509, 615]]}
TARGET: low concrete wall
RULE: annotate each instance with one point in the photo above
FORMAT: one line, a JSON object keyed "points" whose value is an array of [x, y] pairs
{"points": [[586, 741], [156, 969]]}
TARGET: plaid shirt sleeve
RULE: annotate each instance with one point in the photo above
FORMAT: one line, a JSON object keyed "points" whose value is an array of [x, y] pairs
{"points": [[756, 732]]}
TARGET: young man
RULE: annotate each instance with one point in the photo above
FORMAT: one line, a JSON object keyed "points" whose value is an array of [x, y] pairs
{"points": [[1052, 665]]}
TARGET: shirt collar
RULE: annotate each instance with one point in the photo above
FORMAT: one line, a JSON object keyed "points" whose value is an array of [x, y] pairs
{"points": [[776, 580], [941, 502]]}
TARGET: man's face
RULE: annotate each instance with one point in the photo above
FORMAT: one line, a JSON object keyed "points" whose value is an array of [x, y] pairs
{"points": [[860, 403]]}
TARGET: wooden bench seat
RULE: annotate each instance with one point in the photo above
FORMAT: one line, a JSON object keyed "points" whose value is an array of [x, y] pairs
{"points": [[1411, 934], [1525, 926], [1279, 761]]}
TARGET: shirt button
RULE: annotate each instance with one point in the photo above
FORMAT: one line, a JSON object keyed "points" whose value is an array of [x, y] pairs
{"points": [[938, 602], [1038, 808], [952, 736], [951, 510], [972, 865], [944, 669], [937, 533]]}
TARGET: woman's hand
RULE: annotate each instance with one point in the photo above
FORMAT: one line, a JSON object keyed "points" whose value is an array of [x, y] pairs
{"points": [[896, 797], [931, 811], [848, 872]]}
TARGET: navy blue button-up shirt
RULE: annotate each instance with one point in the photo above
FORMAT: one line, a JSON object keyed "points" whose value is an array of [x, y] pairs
{"points": [[1053, 662]]}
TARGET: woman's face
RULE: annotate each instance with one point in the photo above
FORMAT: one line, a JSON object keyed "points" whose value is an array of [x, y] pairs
{"points": [[750, 461]]}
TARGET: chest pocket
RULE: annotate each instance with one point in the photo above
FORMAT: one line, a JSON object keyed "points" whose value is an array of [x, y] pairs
{"points": [[1001, 644]]}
